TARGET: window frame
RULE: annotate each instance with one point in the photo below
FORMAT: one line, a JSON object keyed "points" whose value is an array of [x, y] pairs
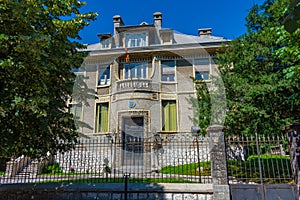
{"points": [[132, 70], [168, 75], [169, 124], [135, 37], [107, 79], [98, 117], [105, 44], [202, 69]]}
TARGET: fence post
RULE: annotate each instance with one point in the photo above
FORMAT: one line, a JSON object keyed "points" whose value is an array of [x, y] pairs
{"points": [[218, 163]]}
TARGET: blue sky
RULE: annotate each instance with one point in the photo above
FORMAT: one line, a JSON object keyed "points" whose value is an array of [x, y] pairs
{"points": [[226, 18]]}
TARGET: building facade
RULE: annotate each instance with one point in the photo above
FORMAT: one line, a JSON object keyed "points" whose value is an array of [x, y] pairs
{"points": [[142, 77]]}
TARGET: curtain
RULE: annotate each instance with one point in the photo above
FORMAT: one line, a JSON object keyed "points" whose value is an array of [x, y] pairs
{"points": [[169, 116], [102, 117]]}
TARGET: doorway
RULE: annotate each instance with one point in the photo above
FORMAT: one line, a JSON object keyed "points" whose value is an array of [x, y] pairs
{"points": [[133, 141]]}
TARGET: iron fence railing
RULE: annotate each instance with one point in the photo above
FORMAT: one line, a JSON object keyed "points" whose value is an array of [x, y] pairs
{"points": [[258, 159], [171, 158]]}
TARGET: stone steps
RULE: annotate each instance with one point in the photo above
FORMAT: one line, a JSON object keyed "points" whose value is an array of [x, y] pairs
{"points": [[81, 160], [25, 172]]}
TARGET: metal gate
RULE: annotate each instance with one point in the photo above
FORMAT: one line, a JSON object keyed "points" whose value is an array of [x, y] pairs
{"points": [[259, 168]]}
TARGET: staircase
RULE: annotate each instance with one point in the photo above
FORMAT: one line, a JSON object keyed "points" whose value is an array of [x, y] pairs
{"points": [[80, 160], [25, 172]]}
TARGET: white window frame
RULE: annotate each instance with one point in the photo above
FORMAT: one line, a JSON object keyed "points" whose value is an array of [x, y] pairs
{"points": [[136, 39], [168, 76], [202, 68], [130, 72], [106, 79], [105, 44]]}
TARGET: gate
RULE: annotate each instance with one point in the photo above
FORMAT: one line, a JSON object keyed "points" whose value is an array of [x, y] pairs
{"points": [[259, 167]]}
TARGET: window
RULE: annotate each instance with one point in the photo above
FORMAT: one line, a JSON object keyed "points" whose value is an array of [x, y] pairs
{"points": [[104, 76], [105, 43], [202, 75], [134, 70], [168, 70], [136, 39], [76, 110], [101, 117], [202, 67], [169, 115]]}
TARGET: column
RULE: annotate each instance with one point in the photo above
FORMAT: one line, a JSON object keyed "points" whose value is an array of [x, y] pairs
{"points": [[218, 163]]}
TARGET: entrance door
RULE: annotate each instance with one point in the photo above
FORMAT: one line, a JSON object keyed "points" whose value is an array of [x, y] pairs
{"points": [[133, 141]]}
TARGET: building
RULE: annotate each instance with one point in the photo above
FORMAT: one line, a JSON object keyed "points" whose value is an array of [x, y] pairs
{"points": [[142, 78]]}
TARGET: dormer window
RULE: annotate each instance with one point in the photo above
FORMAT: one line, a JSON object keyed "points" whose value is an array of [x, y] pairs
{"points": [[136, 39], [105, 44]]}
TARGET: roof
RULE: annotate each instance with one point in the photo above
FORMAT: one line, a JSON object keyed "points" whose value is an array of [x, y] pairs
{"points": [[187, 39], [179, 38]]}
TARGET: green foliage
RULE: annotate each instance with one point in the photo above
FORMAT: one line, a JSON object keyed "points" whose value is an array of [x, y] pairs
{"points": [[259, 96], [275, 169], [201, 106], [38, 51], [52, 169]]}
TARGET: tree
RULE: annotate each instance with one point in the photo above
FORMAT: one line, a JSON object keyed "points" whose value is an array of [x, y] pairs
{"points": [[254, 74], [201, 106], [290, 52], [39, 49]]}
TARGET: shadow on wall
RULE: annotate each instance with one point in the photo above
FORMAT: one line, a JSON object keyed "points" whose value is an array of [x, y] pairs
{"points": [[107, 191]]}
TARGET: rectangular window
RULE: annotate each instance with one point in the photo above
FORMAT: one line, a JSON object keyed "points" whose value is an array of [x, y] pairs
{"points": [[101, 117], [169, 115], [168, 70], [136, 39], [104, 76], [105, 43], [202, 68], [134, 70], [202, 75]]}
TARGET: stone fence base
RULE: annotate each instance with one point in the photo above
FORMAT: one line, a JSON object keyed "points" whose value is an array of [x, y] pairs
{"points": [[110, 191]]}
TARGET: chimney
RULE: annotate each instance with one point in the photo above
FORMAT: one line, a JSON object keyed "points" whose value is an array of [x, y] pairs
{"points": [[157, 18], [204, 32], [117, 22]]}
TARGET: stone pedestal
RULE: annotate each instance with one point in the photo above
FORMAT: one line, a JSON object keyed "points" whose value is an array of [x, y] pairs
{"points": [[218, 163]]}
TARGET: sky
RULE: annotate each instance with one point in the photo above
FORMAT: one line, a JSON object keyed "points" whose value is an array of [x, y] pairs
{"points": [[226, 18]]}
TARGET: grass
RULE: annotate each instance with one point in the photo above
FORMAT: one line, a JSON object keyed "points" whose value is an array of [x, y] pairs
{"points": [[274, 168], [195, 169]]}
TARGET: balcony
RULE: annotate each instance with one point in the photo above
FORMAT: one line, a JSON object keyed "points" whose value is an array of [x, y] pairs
{"points": [[136, 84]]}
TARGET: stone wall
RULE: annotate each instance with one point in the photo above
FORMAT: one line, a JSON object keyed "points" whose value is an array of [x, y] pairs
{"points": [[107, 191]]}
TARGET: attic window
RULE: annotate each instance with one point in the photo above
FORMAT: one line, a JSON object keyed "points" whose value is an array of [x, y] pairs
{"points": [[136, 39], [105, 43]]}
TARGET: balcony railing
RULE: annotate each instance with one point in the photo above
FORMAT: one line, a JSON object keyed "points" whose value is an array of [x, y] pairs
{"points": [[136, 84]]}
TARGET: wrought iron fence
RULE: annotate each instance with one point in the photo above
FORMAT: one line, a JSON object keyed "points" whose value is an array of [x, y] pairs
{"points": [[178, 158], [258, 159]]}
